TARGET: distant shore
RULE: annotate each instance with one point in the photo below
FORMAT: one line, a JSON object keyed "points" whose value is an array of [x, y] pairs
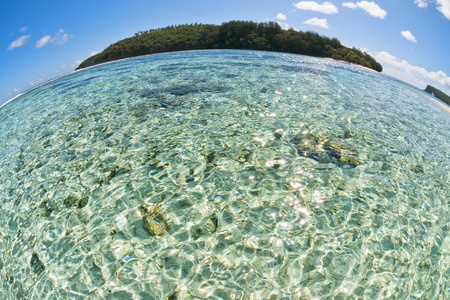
{"points": [[442, 104], [233, 35]]}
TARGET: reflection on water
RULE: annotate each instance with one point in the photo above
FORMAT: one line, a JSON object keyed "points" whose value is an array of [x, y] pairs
{"points": [[228, 175]]}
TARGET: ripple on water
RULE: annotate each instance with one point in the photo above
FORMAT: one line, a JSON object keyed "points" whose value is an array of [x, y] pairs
{"points": [[228, 175]]}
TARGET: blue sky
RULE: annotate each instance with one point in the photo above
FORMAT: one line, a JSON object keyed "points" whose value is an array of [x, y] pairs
{"points": [[40, 40]]}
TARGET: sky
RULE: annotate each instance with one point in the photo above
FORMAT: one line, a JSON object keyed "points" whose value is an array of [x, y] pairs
{"points": [[41, 40]]}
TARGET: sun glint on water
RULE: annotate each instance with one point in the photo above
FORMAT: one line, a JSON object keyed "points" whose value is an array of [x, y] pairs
{"points": [[224, 175]]}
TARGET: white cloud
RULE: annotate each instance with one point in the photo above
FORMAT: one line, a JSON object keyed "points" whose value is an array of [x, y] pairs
{"points": [[43, 41], [58, 38], [421, 3], [19, 42], [408, 35], [414, 75], [285, 26], [16, 90], [444, 7], [93, 53], [326, 7], [36, 82], [280, 16], [23, 29], [350, 5], [370, 7], [60, 69], [76, 63], [317, 22], [61, 37]]}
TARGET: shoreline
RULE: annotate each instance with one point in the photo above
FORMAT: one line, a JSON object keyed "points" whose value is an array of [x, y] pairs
{"points": [[442, 104], [348, 63]]}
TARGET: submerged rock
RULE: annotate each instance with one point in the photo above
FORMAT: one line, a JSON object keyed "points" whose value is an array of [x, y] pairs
{"points": [[155, 222], [210, 157], [348, 133], [9, 278], [47, 208], [417, 169], [173, 296], [36, 264], [207, 226], [244, 155], [326, 150], [163, 99], [277, 135], [74, 201]]}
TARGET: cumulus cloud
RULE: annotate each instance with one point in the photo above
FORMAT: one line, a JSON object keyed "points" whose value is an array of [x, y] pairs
{"points": [[19, 42], [43, 41], [280, 16], [415, 75], [326, 7], [23, 29], [37, 81], [317, 22], [408, 35], [350, 5], [444, 7], [285, 26], [421, 3], [58, 38], [370, 7], [93, 53]]}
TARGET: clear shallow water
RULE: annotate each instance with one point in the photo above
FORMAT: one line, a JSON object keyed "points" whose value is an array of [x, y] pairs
{"points": [[228, 175]]}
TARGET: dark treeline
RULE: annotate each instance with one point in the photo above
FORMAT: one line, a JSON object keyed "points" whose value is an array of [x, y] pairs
{"points": [[267, 36], [438, 94]]}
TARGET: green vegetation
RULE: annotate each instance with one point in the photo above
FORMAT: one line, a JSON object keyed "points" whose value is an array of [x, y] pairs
{"points": [[231, 35], [438, 94]]}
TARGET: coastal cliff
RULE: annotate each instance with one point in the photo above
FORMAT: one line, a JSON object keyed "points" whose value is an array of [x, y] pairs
{"points": [[438, 94]]}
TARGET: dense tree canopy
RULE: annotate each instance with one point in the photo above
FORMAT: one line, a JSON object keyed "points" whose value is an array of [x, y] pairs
{"points": [[438, 94], [231, 35]]}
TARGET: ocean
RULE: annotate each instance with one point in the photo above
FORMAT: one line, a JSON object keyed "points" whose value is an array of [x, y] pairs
{"points": [[224, 174]]}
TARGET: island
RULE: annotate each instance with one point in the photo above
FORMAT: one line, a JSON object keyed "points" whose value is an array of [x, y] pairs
{"points": [[438, 94], [247, 35]]}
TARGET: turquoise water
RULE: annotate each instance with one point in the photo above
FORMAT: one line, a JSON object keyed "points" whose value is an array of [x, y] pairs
{"points": [[224, 175]]}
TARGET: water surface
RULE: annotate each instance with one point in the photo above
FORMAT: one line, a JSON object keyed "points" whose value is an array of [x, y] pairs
{"points": [[224, 175]]}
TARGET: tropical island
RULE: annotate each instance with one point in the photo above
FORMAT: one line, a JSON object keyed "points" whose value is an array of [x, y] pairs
{"points": [[246, 35], [438, 94]]}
